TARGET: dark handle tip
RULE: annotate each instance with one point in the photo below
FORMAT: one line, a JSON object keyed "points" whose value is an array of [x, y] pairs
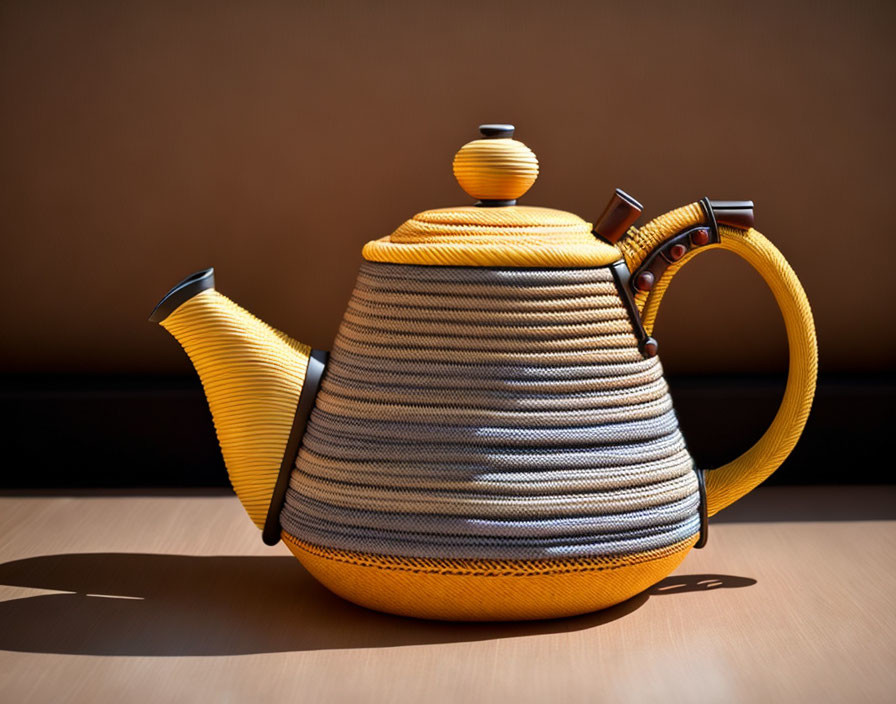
{"points": [[496, 131], [734, 213]]}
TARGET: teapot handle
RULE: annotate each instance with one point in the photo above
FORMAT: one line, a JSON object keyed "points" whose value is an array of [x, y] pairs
{"points": [[730, 482]]}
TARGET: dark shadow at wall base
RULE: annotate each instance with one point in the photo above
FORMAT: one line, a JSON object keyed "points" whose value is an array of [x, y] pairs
{"points": [[812, 503], [87, 432], [172, 605]]}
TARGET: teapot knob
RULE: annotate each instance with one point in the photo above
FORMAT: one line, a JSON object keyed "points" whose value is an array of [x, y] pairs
{"points": [[496, 131], [495, 169]]}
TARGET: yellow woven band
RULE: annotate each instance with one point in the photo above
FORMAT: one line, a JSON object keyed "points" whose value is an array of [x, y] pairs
{"points": [[510, 236], [486, 567], [486, 590]]}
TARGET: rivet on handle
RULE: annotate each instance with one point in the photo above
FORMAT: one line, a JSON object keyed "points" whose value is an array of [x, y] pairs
{"points": [[644, 281]]}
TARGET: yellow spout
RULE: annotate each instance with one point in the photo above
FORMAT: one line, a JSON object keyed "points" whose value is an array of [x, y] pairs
{"points": [[252, 375]]}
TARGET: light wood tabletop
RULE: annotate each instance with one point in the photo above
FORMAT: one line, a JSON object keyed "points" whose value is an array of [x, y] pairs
{"points": [[174, 598]]}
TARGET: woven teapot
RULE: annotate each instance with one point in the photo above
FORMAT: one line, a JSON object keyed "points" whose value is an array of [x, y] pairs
{"points": [[491, 436]]}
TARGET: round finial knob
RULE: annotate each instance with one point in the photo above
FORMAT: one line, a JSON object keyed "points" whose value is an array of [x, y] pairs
{"points": [[496, 169]]}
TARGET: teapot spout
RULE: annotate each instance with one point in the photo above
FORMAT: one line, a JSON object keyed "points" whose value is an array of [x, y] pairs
{"points": [[252, 375]]}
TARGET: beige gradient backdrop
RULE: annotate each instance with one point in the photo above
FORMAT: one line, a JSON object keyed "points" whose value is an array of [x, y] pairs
{"points": [[141, 141]]}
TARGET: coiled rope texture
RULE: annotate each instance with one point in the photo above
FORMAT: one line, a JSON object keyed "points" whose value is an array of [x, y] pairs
{"points": [[480, 413], [252, 375], [511, 236]]}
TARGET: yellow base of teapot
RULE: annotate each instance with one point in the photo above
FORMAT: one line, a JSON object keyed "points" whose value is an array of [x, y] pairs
{"points": [[486, 590]]}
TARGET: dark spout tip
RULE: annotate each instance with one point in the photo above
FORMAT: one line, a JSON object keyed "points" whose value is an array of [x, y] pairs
{"points": [[182, 292]]}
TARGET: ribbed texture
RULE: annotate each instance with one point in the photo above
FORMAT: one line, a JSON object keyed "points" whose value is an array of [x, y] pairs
{"points": [[490, 413], [510, 236], [507, 216], [252, 375], [495, 169], [638, 243]]}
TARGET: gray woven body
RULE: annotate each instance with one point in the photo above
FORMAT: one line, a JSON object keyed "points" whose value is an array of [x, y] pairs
{"points": [[490, 413]]}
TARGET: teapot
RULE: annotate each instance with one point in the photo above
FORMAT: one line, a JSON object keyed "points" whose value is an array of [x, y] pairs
{"points": [[491, 436]]}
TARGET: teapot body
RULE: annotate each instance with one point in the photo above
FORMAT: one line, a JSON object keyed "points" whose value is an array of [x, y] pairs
{"points": [[491, 437], [490, 442]]}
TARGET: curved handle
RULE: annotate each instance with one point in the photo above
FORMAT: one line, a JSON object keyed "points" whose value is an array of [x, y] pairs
{"points": [[728, 483]]}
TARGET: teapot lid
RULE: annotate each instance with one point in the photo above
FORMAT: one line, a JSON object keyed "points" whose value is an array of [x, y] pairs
{"points": [[496, 170]]}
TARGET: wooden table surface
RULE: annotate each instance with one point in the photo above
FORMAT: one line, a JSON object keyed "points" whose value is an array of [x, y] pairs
{"points": [[175, 599]]}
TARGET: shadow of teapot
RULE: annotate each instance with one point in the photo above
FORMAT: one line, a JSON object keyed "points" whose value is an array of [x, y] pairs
{"points": [[165, 605]]}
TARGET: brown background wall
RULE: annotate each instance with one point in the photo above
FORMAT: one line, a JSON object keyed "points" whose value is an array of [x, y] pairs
{"points": [[141, 141]]}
